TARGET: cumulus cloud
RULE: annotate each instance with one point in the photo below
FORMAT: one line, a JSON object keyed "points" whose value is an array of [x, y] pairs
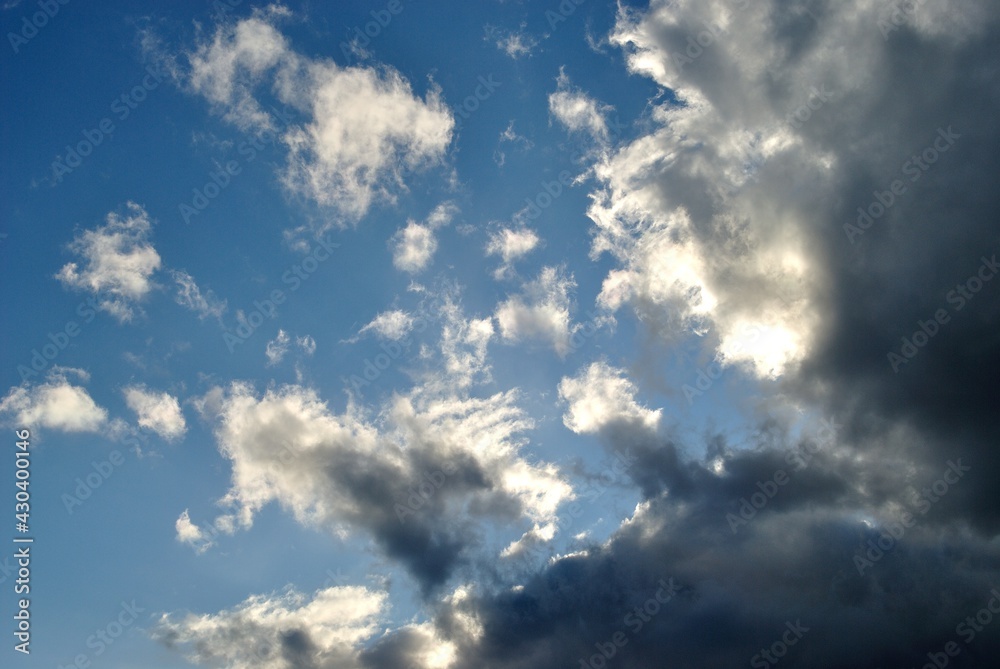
{"points": [[361, 128], [344, 472], [117, 262], [515, 43], [159, 412], [511, 244], [414, 246], [541, 312], [280, 630], [601, 395], [392, 325], [577, 111], [56, 403]]}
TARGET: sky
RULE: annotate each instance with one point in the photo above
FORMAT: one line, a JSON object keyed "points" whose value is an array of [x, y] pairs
{"points": [[512, 334]]}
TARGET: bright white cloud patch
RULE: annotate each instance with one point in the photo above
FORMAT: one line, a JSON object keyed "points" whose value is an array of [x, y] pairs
{"points": [[159, 412], [280, 631], [117, 262], [361, 128], [277, 348], [414, 246], [392, 325], [511, 244], [541, 312], [578, 111], [55, 404], [601, 395]]}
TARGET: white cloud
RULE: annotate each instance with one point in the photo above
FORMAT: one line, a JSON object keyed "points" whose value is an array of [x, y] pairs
{"points": [[343, 472], [511, 244], [392, 325], [159, 412], [601, 395], [55, 404], [190, 296], [578, 111], [118, 261], [307, 344], [364, 128], [414, 246], [191, 534], [280, 631], [540, 312], [277, 348], [516, 44]]}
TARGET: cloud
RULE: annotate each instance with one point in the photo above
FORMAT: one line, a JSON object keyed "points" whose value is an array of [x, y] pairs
{"points": [[190, 296], [362, 130], [601, 395], [511, 244], [55, 404], [277, 348], [159, 412], [414, 246], [117, 262], [540, 312], [279, 631], [516, 44], [417, 482], [392, 325], [191, 534], [578, 111]]}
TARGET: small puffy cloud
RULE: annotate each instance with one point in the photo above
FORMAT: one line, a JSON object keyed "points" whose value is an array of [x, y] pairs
{"points": [[601, 395], [511, 244], [56, 404], [191, 534], [414, 246], [361, 128], [516, 44], [578, 111], [392, 325], [277, 348], [117, 262], [280, 345], [540, 312], [190, 296], [159, 412], [279, 631]]}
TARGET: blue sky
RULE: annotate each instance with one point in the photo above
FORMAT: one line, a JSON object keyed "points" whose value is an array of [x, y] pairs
{"points": [[565, 274]]}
